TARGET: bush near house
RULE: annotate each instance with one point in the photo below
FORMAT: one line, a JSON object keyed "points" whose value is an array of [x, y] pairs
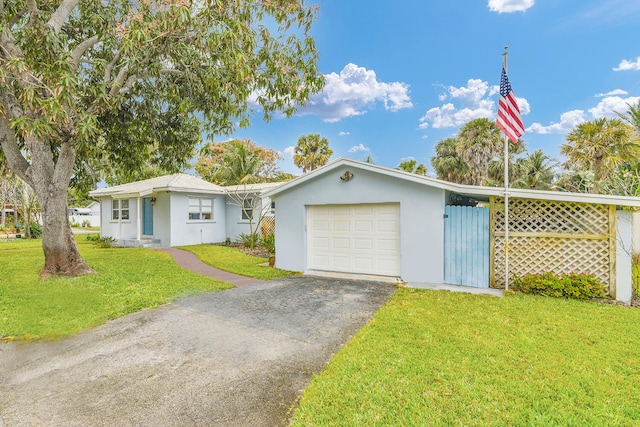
{"points": [[566, 285]]}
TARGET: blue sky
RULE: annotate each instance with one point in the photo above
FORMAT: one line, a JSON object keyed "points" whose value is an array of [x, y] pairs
{"points": [[402, 76]]}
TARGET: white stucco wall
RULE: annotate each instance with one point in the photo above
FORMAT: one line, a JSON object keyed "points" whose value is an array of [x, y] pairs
{"points": [[421, 219], [624, 284], [162, 219], [235, 224], [189, 232], [126, 229]]}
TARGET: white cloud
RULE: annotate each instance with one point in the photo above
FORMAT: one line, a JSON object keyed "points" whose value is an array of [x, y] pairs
{"points": [[476, 100], [609, 107], [342, 133], [509, 6], [626, 65], [289, 151], [612, 93], [353, 91], [358, 148], [568, 121]]}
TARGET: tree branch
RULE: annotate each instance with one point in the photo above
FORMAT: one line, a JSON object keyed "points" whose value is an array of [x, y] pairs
{"points": [[61, 14], [11, 149], [77, 53]]}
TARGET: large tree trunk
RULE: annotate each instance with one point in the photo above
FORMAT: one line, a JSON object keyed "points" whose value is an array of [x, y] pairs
{"points": [[61, 255]]}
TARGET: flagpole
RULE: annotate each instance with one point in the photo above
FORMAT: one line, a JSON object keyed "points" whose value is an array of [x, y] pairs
{"points": [[506, 190]]}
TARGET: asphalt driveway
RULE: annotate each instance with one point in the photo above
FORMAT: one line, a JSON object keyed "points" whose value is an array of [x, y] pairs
{"points": [[233, 358]]}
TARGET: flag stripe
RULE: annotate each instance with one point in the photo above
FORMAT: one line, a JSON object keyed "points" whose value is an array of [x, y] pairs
{"points": [[509, 120]]}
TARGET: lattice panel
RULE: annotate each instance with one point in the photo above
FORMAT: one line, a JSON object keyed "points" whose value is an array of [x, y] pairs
{"points": [[560, 255], [268, 225], [543, 216], [546, 236]]}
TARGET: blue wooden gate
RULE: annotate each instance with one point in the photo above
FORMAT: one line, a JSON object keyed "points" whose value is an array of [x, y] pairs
{"points": [[466, 246]]}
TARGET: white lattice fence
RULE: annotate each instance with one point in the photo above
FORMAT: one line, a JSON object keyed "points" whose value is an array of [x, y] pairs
{"points": [[553, 236]]}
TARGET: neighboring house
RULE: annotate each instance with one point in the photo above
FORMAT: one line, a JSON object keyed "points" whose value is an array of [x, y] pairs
{"points": [[360, 218], [176, 210], [89, 215]]}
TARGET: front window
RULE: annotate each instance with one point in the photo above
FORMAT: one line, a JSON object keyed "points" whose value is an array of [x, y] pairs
{"points": [[247, 209], [200, 209], [120, 210]]}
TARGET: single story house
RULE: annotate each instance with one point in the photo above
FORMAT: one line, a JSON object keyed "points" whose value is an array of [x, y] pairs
{"points": [[180, 209], [364, 219]]}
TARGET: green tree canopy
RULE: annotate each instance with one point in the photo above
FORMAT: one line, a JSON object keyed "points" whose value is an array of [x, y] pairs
{"points": [[311, 152], [447, 163], [600, 146], [412, 166], [479, 142], [535, 171], [238, 162], [130, 81]]}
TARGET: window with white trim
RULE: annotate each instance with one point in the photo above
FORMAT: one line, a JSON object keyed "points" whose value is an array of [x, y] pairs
{"points": [[200, 208], [120, 210], [247, 209]]}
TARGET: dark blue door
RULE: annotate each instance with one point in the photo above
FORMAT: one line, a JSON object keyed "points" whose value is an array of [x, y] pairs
{"points": [[147, 217]]}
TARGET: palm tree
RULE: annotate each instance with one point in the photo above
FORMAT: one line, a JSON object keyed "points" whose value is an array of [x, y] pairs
{"points": [[311, 152], [496, 165], [600, 146], [238, 165], [535, 171], [479, 142], [412, 166], [448, 164]]}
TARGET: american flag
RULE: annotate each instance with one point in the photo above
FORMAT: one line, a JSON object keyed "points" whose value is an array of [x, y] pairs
{"points": [[509, 119]]}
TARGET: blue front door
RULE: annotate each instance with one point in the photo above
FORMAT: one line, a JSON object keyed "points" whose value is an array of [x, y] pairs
{"points": [[147, 217]]}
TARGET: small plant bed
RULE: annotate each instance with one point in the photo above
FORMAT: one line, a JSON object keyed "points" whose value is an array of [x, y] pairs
{"points": [[257, 251], [434, 358], [236, 260], [565, 285]]}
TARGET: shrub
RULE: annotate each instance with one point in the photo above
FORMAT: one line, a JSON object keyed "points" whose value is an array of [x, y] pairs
{"points": [[269, 243], [36, 230], [105, 242], [567, 285], [92, 237], [250, 240]]}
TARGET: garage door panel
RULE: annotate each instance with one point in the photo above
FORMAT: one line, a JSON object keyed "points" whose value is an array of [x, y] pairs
{"points": [[355, 238], [363, 244], [363, 226], [321, 225], [341, 243], [341, 225]]}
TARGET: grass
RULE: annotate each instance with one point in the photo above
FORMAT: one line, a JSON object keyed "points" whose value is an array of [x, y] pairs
{"points": [[128, 280], [440, 358], [236, 261]]}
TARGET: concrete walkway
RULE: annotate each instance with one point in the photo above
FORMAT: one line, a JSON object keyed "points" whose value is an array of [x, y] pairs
{"points": [[456, 288], [189, 261]]}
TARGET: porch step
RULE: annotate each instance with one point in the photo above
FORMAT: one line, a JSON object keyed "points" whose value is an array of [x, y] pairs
{"points": [[142, 243]]}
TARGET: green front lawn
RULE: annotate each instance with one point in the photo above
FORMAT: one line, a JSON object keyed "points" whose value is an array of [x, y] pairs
{"points": [[128, 280], [437, 358], [236, 261]]}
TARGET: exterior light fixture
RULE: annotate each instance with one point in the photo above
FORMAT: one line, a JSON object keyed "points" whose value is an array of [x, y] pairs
{"points": [[153, 201], [347, 176]]}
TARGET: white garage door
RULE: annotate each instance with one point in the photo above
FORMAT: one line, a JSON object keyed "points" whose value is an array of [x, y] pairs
{"points": [[361, 239]]}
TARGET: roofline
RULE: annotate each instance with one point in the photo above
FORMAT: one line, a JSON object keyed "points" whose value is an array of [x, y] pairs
{"points": [[469, 190]]}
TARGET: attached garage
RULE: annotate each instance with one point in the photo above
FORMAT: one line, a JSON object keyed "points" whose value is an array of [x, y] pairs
{"points": [[350, 238], [355, 217]]}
